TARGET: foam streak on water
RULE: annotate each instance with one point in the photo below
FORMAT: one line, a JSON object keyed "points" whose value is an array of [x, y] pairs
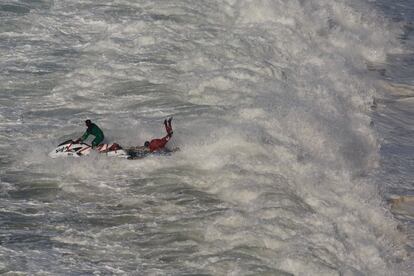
{"points": [[271, 101]]}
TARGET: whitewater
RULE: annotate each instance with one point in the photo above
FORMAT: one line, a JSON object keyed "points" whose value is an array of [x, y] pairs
{"points": [[282, 111]]}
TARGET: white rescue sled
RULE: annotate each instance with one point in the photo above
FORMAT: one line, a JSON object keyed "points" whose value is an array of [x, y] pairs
{"points": [[71, 149]]}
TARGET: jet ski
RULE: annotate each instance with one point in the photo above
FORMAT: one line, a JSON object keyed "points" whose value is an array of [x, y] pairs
{"points": [[71, 148]]}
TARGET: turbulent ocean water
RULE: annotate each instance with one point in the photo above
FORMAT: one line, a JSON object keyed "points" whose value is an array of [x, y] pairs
{"points": [[294, 119]]}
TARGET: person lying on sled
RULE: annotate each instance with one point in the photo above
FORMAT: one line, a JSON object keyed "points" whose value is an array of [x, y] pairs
{"points": [[159, 144], [155, 145]]}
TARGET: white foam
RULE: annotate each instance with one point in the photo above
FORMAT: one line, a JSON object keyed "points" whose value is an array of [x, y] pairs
{"points": [[271, 103]]}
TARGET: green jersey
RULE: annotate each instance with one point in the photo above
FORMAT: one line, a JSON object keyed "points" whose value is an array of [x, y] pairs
{"points": [[95, 131]]}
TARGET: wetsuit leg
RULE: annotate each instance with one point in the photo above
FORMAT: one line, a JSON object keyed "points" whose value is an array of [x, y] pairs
{"points": [[168, 127]]}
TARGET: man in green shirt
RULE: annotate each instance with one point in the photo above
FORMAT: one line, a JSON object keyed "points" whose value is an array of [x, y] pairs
{"points": [[94, 130]]}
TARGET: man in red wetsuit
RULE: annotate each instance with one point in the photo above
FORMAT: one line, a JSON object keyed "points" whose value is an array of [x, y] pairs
{"points": [[159, 144]]}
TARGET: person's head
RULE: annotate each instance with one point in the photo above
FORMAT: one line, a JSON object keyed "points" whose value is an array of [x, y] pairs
{"points": [[146, 144], [88, 123]]}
